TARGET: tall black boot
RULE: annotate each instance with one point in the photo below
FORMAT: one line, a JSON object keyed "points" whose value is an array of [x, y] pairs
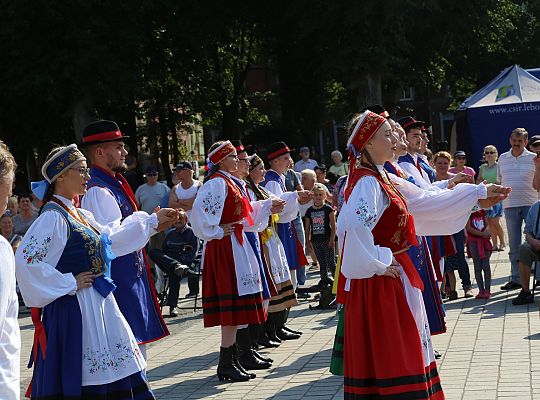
{"points": [[246, 355], [282, 333], [238, 365], [270, 327], [226, 369], [255, 332], [286, 327], [259, 334]]}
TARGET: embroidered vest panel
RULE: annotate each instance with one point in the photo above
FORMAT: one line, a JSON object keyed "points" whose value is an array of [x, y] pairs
{"points": [[395, 228], [234, 208], [83, 251], [136, 258]]}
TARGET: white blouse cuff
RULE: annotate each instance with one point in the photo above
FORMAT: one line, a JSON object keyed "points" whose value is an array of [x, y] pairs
{"points": [[70, 278], [385, 257]]}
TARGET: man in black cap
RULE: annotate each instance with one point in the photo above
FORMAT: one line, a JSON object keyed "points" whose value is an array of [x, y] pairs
{"points": [[183, 193], [111, 200]]}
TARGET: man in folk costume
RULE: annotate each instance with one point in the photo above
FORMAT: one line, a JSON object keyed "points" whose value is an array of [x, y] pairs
{"points": [[248, 357], [279, 158], [387, 345], [231, 280], [111, 200]]}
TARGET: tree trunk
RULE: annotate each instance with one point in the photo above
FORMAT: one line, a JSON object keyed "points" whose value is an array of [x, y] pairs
{"points": [[164, 136], [83, 114], [370, 91], [174, 135]]}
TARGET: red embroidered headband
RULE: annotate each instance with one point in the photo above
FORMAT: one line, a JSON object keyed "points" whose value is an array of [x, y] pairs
{"points": [[221, 152], [365, 128]]}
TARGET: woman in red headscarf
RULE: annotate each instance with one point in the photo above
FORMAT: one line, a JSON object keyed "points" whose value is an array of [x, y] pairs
{"points": [[231, 281], [387, 344]]}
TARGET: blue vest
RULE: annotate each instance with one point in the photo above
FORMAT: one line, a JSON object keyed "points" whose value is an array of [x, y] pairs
{"points": [[135, 293], [273, 176]]}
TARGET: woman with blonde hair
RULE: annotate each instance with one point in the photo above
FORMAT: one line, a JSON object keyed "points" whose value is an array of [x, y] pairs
{"points": [[488, 172]]}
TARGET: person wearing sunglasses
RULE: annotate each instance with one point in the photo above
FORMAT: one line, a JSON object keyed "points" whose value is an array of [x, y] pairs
{"points": [[488, 172]]}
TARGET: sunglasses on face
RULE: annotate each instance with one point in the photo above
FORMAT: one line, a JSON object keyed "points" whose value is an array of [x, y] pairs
{"points": [[490, 152], [460, 158], [535, 145]]}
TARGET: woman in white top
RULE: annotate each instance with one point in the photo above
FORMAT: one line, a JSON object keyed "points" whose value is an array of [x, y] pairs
{"points": [[83, 346], [10, 338]]}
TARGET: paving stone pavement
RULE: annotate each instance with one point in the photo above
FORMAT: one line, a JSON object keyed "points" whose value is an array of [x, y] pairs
{"points": [[490, 351]]}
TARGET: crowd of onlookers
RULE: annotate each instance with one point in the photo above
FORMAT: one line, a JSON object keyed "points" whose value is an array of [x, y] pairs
{"points": [[518, 168]]}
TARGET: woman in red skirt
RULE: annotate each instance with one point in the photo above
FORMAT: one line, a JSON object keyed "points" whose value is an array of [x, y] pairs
{"points": [[387, 345], [231, 281]]}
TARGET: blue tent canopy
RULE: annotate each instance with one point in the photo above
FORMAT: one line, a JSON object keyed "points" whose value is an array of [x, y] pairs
{"points": [[509, 101]]}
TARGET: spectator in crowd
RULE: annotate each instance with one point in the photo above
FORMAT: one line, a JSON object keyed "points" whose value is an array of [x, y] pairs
{"points": [[293, 182], [184, 192], [457, 261], [6, 229], [321, 231], [175, 257], [13, 206], [150, 194], [338, 167], [305, 162], [534, 144], [479, 245], [320, 172], [529, 252], [309, 178], [338, 195], [149, 197], [10, 337], [519, 169], [442, 161], [26, 215], [460, 159], [488, 172]]}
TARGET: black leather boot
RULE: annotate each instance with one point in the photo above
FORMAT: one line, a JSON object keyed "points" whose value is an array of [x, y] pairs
{"points": [[286, 317], [226, 369], [261, 357], [282, 333], [258, 335], [239, 366], [270, 328], [246, 354]]}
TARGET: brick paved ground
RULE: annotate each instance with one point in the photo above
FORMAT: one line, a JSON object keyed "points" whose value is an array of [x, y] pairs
{"points": [[490, 351]]}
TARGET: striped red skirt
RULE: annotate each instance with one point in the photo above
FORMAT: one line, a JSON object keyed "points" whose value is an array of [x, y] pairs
{"points": [[383, 353], [222, 305]]}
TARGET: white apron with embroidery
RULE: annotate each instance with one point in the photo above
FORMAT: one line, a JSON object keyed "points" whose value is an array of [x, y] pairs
{"points": [[109, 349], [206, 216]]}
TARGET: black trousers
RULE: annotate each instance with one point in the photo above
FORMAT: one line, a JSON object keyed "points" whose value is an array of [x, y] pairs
{"points": [[167, 264], [326, 257]]}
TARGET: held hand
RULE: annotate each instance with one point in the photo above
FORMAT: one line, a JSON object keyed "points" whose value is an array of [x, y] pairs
{"points": [[487, 232], [228, 229], [331, 243], [461, 177], [277, 205], [304, 196], [166, 217], [84, 280], [494, 190], [392, 271]]}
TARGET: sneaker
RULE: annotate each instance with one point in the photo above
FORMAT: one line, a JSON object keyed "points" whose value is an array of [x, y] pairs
{"points": [[523, 298], [511, 286], [480, 295], [469, 293]]}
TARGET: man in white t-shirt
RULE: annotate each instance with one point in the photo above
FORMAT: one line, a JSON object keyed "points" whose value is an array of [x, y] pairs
{"points": [[519, 169], [183, 194]]}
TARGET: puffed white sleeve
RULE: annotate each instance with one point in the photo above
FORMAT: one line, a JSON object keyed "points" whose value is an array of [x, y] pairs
{"points": [[207, 210], [291, 209], [362, 258], [129, 236], [7, 280], [105, 211], [260, 214], [441, 212], [36, 258]]}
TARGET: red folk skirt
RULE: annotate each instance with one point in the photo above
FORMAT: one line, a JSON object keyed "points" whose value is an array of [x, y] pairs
{"points": [[222, 305], [382, 347]]}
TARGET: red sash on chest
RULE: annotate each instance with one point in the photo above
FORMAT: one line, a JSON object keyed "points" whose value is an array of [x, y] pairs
{"points": [[395, 228], [235, 208]]}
